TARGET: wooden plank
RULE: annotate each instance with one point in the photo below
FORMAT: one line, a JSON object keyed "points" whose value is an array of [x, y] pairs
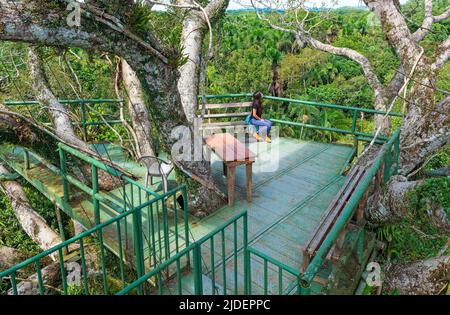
{"points": [[331, 206], [225, 115], [226, 105]]}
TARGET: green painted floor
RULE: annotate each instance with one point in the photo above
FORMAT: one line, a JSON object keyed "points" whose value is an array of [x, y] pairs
{"points": [[294, 181], [292, 189]]}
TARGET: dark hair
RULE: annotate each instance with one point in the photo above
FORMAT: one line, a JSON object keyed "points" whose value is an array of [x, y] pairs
{"points": [[257, 98]]}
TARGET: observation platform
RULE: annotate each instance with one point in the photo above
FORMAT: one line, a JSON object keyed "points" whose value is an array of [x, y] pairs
{"points": [[294, 181], [252, 248]]}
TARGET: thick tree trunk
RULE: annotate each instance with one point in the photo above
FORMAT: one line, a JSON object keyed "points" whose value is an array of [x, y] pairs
{"points": [[276, 88], [32, 223], [426, 129], [167, 113], [61, 116], [428, 277], [194, 25], [149, 59], [191, 38], [389, 203], [137, 110]]}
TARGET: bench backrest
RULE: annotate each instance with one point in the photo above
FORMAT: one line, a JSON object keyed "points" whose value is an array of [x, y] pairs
{"points": [[330, 216], [212, 115]]}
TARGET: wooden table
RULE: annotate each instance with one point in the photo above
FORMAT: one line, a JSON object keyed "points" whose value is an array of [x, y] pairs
{"points": [[233, 153]]}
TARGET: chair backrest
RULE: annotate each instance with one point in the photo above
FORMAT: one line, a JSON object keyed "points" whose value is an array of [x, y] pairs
{"points": [[152, 163]]}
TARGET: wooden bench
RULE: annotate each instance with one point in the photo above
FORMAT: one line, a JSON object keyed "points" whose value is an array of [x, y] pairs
{"points": [[233, 153], [329, 218], [208, 124]]}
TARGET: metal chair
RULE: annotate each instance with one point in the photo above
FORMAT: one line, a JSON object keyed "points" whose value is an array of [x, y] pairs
{"points": [[156, 167]]}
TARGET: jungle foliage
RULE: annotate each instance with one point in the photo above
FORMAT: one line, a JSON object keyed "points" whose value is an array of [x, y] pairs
{"points": [[247, 54]]}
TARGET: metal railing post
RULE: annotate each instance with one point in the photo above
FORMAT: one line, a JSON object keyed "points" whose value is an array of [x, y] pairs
{"points": [[247, 272], [65, 183], [95, 202], [197, 262], [83, 119], [246, 256], [186, 219], [355, 117], [360, 246], [138, 245], [301, 290], [61, 227], [387, 164]]}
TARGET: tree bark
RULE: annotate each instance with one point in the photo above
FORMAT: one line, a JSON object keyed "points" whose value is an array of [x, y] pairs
{"points": [[51, 279], [151, 61], [389, 204], [194, 26], [422, 277], [32, 223], [426, 127], [60, 114], [9, 257], [137, 110], [276, 87]]}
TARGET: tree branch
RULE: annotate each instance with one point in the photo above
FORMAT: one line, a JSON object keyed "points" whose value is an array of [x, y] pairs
{"points": [[302, 36], [48, 29], [418, 35], [44, 94], [155, 47], [442, 55], [32, 223], [429, 20], [396, 30]]}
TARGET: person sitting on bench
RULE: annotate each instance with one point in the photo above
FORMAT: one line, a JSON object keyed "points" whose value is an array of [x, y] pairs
{"points": [[257, 120]]}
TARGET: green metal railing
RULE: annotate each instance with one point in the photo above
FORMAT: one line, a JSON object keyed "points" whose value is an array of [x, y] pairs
{"points": [[129, 185], [162, 226], [84, 110], [204, 267], [359, 135], [387, 163], [111, 234], [277, 278], [81, 242]]}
